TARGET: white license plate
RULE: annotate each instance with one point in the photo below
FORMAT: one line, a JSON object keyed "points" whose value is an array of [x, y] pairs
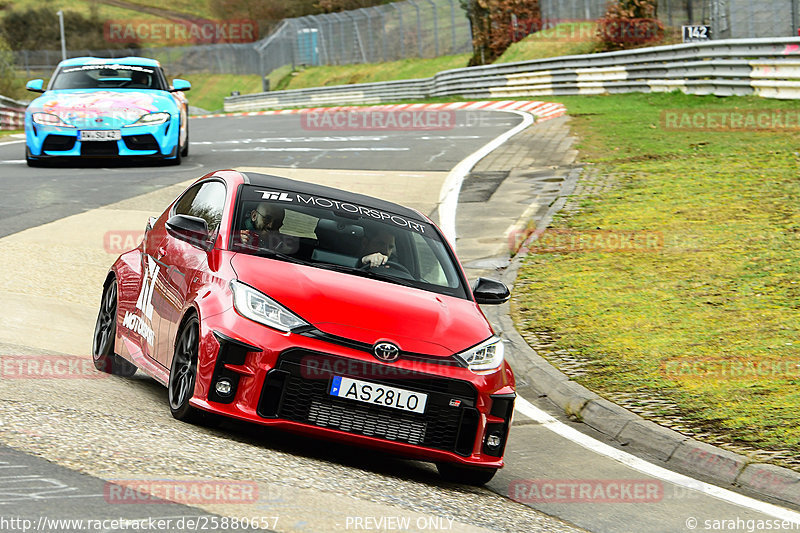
{"points": [[364, 391], [101, 135]]}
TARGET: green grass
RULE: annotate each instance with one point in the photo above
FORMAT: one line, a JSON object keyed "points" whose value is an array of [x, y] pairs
{"points": [[563, 40], [4, 134], [323, 76], [209, 90], [725, 286]]}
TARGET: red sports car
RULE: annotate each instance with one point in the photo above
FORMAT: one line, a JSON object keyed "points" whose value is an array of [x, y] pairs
{"points": [[316, 310]]}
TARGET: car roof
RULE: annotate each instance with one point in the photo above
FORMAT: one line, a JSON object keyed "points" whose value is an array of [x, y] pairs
{"points": [[303, 187], [131, 60]]}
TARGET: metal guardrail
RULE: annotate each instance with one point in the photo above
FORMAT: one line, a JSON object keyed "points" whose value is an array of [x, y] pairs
{"points": [[764, 67], [12, 114]]}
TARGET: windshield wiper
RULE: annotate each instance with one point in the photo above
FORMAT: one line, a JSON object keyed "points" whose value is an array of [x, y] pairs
{"points": [[364, 273]]}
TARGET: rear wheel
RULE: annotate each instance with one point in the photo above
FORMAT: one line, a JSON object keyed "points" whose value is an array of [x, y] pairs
{"points": [[105, 331], [465, 474], [183, 373]]}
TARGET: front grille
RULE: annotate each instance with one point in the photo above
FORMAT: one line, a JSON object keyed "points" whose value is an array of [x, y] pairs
{"points": [[99, 148], [58, 143], [140, 142], [299, 391], [361, 420]]}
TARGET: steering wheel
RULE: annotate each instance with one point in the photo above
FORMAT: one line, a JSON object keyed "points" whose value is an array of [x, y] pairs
{"points": [[390, 264]]}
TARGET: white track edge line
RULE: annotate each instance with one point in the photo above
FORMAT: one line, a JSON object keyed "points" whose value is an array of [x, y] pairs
{"points": [[448, 194], [524, 407]]}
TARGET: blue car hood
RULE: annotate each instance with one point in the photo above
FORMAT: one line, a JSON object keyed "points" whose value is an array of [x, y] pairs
{"points": [[102, 109]]}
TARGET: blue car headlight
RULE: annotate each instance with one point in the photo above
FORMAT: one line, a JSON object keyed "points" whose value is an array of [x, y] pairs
{"points": [[49, 119], [151, 119]]}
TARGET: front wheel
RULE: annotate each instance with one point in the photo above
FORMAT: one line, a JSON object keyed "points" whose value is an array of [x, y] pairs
{"points": [[464, 474], [105, 330], [183, 373]]}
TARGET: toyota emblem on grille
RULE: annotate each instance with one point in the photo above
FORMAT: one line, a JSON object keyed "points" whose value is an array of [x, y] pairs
{"points": [[386, 352]]}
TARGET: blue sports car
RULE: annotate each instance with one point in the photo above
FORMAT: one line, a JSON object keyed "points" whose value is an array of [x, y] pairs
{"points": [[95, 107]]}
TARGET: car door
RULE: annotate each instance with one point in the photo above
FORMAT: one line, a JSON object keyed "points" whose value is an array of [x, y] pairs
{"points": [[150, 295], [182, 262]]}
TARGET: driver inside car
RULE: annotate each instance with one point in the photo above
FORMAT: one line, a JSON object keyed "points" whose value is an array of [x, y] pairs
{"points": [[378, 249], [261, 230]]}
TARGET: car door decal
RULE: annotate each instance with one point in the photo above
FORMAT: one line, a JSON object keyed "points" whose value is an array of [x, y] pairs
{"points": [[145, 300]]}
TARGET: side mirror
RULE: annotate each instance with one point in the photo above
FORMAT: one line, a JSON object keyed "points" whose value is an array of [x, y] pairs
{"points": [[180, 85], [490, 291], [36, 86], [193, 230]]}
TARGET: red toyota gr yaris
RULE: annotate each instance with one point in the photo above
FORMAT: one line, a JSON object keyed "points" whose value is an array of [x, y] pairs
{"points": [[316, 310]]}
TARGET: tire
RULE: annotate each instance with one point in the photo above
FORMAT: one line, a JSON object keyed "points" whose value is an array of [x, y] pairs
{"points": [[183, 373], [185, 150], [105, 331], [464, 474], [175, 161]]}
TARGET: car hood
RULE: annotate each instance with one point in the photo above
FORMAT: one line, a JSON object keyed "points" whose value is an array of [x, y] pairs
{"points": [[368, 310], [92, 108]]}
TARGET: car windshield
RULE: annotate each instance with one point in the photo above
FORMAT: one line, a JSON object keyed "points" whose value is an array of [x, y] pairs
{"points": [[107, 77], [345, 236]]}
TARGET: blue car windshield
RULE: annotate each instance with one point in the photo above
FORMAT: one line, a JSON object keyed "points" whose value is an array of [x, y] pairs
{"points": [[107, 77]]}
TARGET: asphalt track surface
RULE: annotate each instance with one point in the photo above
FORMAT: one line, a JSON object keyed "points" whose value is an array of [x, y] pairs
{"points": [[35, 196], [125, 425]]}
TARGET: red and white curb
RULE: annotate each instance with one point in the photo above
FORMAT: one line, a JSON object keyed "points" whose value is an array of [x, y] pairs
{"points": [[541, 110]]}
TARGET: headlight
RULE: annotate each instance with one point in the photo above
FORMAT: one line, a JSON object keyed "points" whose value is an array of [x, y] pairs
{"points": [[488, 355], [151, 119], [259, 307], [49, 119]]}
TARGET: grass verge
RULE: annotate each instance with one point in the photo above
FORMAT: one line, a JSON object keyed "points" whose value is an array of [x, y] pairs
{"points": [[209, 90], [324, 76], [707, 319]]}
